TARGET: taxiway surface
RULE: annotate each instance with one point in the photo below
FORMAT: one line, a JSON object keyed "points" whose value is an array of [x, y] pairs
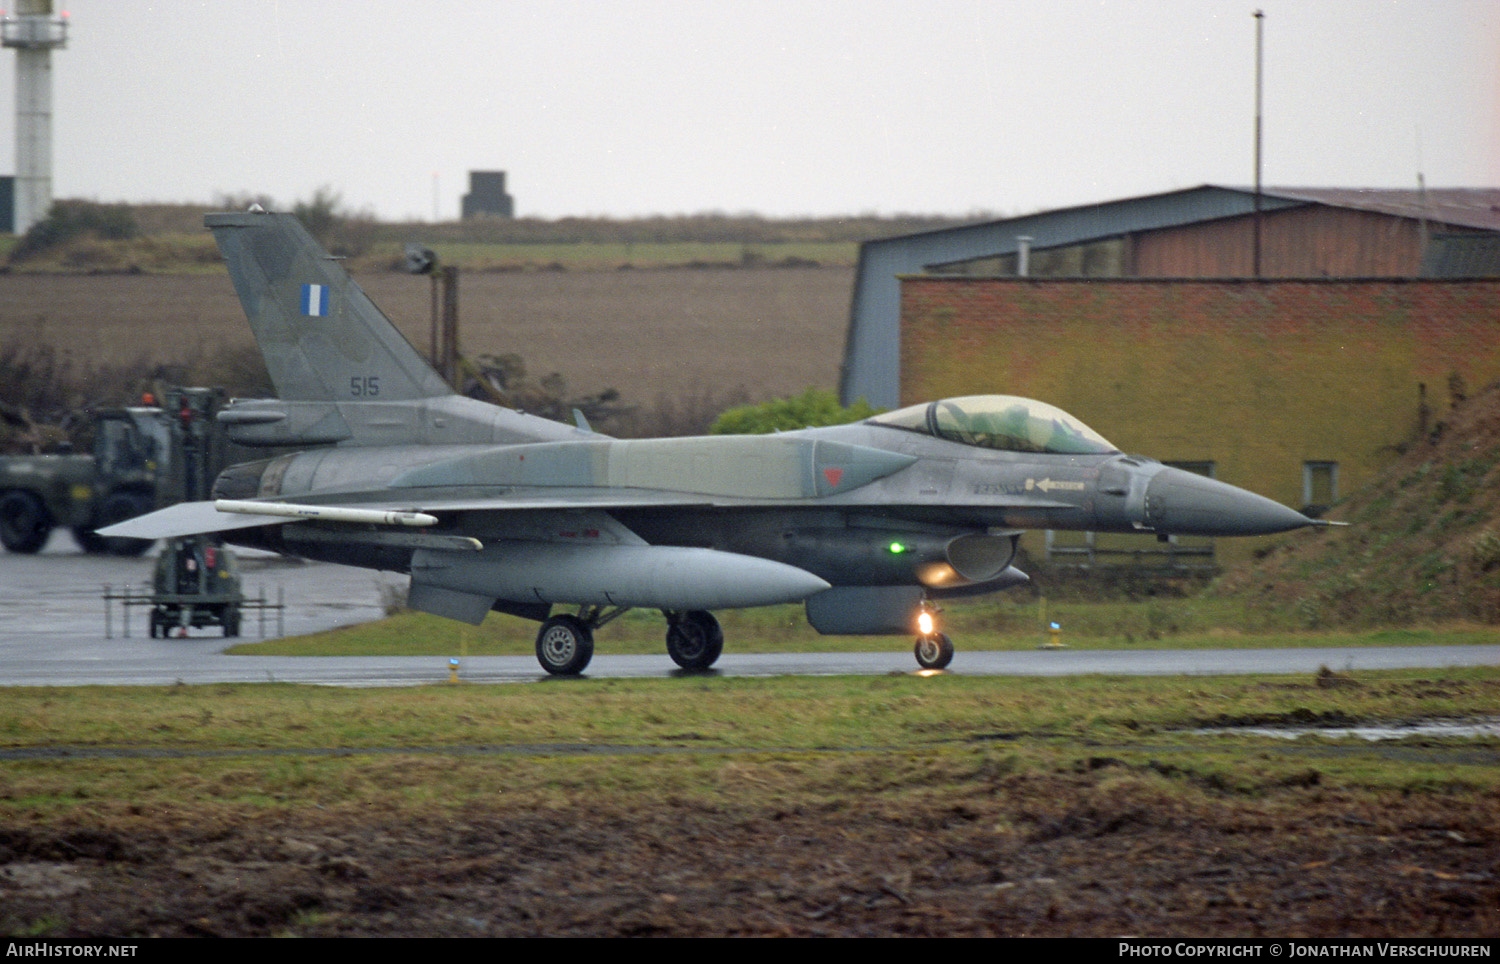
{"points": [[53, 633]]}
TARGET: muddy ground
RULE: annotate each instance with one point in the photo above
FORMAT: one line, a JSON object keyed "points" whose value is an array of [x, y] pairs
{"points": [[1100, 852]]}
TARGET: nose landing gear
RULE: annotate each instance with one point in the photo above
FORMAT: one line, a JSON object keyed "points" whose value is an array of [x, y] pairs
{"points": [[934, 650]]}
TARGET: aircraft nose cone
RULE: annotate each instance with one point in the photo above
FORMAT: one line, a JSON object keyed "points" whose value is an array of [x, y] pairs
{"points": [[1184, 503]]}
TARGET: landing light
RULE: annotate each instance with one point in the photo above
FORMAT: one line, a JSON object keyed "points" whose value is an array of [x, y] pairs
{"points": [[925, 623]]}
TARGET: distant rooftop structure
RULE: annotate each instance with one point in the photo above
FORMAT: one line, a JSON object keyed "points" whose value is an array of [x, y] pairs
{"points": [[487, 196], [1201, 232], [1477, 208]]}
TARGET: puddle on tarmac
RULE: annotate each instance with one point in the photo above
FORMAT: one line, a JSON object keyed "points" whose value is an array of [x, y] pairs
{"points": [[1467, 729]]}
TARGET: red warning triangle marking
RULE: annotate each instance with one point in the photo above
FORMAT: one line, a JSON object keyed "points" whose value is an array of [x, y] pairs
{"points": [[833, 476]]}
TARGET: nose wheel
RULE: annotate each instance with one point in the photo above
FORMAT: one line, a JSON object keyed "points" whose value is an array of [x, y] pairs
{"points": [[934, 650]]}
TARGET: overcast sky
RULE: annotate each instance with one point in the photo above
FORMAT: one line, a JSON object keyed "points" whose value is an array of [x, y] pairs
{"points": [[812, 107]]}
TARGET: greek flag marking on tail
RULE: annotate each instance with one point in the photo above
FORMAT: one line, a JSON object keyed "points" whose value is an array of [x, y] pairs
{"points": [[315, 301]]}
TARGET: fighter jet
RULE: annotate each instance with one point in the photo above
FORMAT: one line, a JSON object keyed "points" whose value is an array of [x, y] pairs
{"points": [[868, 525]]}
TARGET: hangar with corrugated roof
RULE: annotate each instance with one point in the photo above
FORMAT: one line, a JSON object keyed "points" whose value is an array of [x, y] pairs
{"points": [[1291, 342]]}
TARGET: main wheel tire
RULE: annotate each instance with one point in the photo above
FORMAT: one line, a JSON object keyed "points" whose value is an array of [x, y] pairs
{"points": [[564, 645], [695, 640], [24, 522], [934, 651]]}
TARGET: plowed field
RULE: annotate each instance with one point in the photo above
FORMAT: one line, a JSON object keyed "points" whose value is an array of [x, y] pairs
{"points": [[647, 333]]}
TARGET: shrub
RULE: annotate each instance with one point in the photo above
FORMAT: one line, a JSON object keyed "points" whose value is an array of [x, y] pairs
{"points": [[68, 221], [812, 408]]}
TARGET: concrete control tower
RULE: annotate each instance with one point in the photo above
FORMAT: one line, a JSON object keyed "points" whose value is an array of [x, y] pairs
{"points": [[33, 32]]}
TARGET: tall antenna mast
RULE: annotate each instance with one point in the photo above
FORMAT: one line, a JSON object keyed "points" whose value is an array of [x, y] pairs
{"points": [[33, 32], [1259, 20]]}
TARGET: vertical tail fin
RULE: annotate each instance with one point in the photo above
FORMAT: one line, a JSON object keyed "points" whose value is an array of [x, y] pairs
{"points": [[322, 337]]}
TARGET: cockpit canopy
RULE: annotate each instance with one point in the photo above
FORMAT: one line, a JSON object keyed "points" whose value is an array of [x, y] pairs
{"points": [[1004, 422]]}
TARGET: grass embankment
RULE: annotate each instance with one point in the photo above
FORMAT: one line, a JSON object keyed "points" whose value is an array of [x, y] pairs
{"points": [[702, 806], [253, 747], [171, 240]]}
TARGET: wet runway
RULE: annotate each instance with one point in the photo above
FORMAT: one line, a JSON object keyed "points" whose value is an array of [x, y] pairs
{"points": [[53, 633]]}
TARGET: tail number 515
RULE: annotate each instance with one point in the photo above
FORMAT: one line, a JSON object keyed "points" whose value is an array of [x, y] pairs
{"points": [[364, 386]]}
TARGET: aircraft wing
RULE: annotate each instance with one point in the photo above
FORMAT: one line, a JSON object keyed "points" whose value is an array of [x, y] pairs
{"points": [[186, 519], [195, 518]]}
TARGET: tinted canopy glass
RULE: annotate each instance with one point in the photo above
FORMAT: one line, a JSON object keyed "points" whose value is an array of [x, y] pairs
{"points": [[1004, 422]]}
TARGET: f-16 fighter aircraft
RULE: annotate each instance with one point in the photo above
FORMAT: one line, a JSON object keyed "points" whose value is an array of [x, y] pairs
{"points": [[868, 525]]}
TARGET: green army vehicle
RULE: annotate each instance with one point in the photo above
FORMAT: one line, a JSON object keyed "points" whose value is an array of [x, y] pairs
{"points": [[85, 493]]}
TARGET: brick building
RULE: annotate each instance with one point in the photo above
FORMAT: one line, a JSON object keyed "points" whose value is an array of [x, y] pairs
{"points": [[1300, 390], [1202, 232], [1288, 342]]}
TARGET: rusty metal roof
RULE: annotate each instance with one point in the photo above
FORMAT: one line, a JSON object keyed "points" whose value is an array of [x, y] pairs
{"points": [[872, 352], [1464, 207]]}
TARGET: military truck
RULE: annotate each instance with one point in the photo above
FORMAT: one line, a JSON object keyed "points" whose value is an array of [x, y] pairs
{"points": [[132, 470], [85, 492]]}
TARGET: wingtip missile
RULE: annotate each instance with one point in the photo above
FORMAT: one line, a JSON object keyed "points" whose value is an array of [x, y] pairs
{"points": [[327, 513]]}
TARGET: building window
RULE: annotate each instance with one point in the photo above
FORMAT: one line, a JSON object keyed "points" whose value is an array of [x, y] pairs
{"points": [[1320, 487], [1206, 469]]}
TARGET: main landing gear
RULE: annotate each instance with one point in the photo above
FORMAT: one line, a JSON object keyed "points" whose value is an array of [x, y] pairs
{"points": [[565, 644], [694, 639], [934, 650]]}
